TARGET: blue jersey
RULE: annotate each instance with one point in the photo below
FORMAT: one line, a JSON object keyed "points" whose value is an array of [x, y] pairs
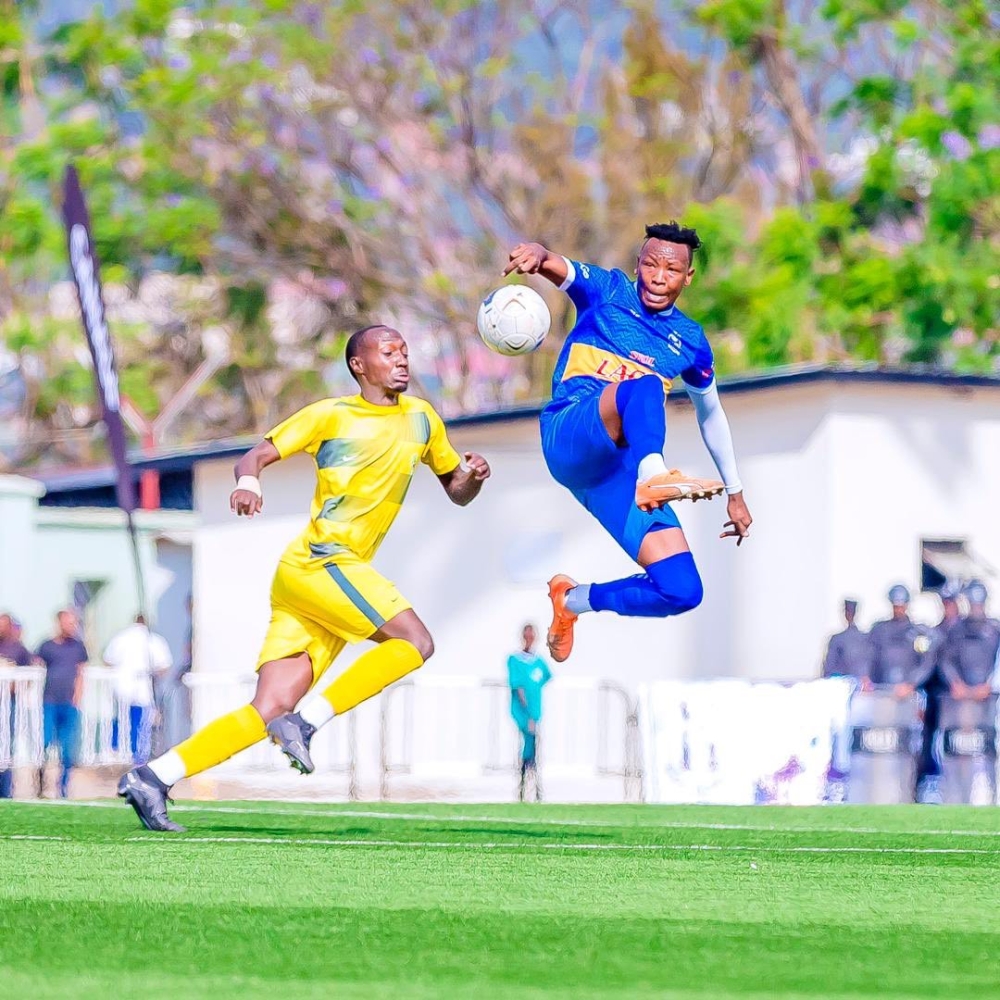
{"points": [[616, 338]]}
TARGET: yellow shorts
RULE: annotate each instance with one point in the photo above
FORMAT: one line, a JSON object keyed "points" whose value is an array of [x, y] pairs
{"points": [[320, 608]]}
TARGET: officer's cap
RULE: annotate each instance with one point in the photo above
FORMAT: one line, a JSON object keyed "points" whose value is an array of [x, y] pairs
{"points": [[899, 595], [976, 592], [850, 604], [950, 590]]}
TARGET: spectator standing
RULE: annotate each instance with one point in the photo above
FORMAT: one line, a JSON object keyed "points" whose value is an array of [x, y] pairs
{"points": [[527, 674], [970, 658], [929, 767], [13, 651], [900, 648], [64, 656], [849, 653], [137, 655]]}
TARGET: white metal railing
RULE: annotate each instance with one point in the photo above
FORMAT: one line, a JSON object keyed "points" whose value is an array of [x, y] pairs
{"points": [[460, 728], [21, 725], [334, 748], [105, 723]]}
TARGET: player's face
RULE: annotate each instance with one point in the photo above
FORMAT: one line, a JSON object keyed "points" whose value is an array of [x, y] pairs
{"points": [[387, 361], [663, 272], [528, 636]]}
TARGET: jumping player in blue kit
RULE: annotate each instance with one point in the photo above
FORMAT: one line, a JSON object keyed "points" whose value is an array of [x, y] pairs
{"points": [[604, 430]]}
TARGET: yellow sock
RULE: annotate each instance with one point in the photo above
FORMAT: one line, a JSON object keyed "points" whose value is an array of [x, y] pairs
{"points": [[377, 669], [220, 739]]}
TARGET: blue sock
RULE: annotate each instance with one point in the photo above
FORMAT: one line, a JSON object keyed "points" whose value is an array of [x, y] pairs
{"points": [[668, 587], [640, 404]]}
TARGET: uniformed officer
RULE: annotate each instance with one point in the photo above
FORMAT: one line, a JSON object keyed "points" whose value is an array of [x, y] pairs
{"points": [[849, 653], [900, 648], [929, 768], [970, 656]]}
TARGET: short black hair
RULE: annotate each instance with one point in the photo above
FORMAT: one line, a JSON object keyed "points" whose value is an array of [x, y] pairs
{"points": [[673, 232], [354, 342]]}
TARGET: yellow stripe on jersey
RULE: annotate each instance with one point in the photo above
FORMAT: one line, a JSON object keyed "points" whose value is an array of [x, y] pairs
{"points": [[585, 359], [365, 456]]}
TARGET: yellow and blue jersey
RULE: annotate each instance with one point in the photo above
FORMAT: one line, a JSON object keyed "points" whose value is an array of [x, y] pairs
{"points": [[616, 338], [365, 457]]}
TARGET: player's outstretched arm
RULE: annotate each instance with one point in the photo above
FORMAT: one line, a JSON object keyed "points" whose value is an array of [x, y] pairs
{"points": [[247, 499], [533, 258], [465, 481], [718, 440]]}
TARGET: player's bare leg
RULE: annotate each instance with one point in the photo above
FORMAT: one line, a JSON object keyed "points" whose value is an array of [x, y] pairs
{"points": [[280, 685], [404, 644], [639, 404]]}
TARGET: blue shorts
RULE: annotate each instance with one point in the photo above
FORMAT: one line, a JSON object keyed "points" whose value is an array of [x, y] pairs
{"points": [[583, 458]]}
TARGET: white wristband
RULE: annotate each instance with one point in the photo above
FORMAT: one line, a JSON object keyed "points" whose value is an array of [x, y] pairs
{"points": [[251, 483], [732, 488]]}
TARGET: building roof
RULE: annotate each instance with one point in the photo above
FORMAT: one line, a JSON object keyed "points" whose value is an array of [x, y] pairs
{"points": [[95, 487]]}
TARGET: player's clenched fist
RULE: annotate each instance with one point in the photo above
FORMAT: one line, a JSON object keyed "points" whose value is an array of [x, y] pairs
{"points": [[245, 502], [477, 465]]}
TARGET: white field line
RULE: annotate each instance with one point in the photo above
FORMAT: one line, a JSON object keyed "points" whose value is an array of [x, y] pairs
{"points": [[335, 813], [495, 846]]}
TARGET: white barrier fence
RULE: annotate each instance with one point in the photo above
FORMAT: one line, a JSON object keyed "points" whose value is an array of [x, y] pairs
{"points": [[737, 742], [446, 732], [21, 716]]}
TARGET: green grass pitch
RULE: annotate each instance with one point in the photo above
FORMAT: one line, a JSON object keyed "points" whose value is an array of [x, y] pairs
{"points": [[472, 901]]}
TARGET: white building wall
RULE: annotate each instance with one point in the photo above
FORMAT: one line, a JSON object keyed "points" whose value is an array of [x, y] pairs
{"points": [[843, 480], [914, 462], [45, 550]]}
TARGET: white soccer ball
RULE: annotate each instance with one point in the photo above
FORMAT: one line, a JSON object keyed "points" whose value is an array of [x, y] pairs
{"points": [[513, 319]]}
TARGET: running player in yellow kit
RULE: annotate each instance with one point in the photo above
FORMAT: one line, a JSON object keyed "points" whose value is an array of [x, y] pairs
{"points": [[325, 592]]}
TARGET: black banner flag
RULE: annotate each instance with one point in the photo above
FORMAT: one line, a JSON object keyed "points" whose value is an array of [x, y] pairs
{"points": [[83, 261]]}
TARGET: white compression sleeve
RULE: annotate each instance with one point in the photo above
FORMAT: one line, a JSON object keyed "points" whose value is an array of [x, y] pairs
{"points": [[716, 434]]}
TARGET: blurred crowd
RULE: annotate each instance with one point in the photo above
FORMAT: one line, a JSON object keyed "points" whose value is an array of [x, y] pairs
{"points": [[954, 660], [150, 700]]}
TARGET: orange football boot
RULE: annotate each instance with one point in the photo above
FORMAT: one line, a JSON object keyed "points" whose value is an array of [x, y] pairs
{"points": [[665, 487], [560, 637]]}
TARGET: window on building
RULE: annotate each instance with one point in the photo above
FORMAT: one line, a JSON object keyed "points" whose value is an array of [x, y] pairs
{"points": [[950, 559]]}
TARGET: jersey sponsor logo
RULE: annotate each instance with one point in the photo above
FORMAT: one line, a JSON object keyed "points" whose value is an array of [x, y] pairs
{"points": [[643, 359], [591, 362]]}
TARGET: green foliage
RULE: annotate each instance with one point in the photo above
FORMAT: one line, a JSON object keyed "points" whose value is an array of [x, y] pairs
{"points": [[378, 158]]}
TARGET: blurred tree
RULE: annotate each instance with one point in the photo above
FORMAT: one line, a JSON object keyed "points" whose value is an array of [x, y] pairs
{"points": [[266, 177]]}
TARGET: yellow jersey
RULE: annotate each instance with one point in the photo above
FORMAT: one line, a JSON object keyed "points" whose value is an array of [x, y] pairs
{"points": [[365, 456]]}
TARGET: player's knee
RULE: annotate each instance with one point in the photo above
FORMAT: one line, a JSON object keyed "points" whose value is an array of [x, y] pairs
{"points": [[648, 387], [678, 582], [689, 593]]}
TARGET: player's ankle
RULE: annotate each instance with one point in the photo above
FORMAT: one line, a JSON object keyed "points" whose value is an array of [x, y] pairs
{"points": [[316, 711], [651, 465], [578, 599], [148, 775]]}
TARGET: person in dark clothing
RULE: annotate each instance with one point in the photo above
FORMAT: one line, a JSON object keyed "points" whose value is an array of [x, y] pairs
{"points": [[929, 767], [900, 648], [969, 660], [849, 653], [64, 655], [13, 651]]}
